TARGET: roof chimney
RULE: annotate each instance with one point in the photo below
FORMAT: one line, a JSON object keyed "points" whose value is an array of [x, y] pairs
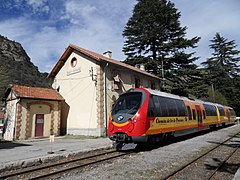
{"points": [[107, 54], [142, 67]]}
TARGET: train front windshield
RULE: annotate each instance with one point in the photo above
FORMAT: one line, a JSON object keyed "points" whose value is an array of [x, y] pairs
{"points": [[128, 103]]}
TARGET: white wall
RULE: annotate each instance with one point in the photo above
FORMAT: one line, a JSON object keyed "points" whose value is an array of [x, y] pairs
{"points": [[79, 91], [10, 116]]}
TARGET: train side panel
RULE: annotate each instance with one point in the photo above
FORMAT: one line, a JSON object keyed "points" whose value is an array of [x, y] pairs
{"points": [[160, 114]]}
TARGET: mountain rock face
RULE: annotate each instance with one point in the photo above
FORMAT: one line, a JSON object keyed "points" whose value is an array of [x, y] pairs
{"points": [[16, 67]]}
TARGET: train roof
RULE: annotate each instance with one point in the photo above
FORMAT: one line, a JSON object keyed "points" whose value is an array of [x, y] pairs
{"points": [[165, 94], [160, 93]]}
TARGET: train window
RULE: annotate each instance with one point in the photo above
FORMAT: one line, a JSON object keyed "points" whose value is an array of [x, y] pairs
{"points": [[194, 114], [181, 107], [151, 108], [153, 86], [204, 114], [207, 109], [189, 113], [128, 103], [164, 106], [221, 110], [210, 110], [172, 107], [157, 105]]}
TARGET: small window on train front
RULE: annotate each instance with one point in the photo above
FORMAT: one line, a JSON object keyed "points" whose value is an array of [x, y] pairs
{"points": [[194, 114], [189, 113]]}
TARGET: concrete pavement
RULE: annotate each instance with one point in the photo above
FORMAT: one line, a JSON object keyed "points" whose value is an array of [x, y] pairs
{"points": [[35, 151]]}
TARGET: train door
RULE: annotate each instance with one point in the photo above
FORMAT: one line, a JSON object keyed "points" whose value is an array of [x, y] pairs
{"points": [[199, 117], [39, 125]]}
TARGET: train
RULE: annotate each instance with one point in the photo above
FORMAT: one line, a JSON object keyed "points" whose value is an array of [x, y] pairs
{"points": [[142, 116]]}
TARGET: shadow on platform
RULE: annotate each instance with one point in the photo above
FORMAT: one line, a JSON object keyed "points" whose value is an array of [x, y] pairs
{"points": [[10, 144]]}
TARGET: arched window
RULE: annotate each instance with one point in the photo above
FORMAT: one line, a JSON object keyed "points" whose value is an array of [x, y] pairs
{"points": [[73, 62]]}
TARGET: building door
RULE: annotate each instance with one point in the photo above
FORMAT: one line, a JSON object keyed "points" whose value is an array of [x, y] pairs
{"points": [[39, 125], [199, 117]]}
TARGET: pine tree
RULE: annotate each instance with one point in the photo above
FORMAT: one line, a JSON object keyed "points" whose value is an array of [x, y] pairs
{"points": [[224, 61], [222, 69], [155, 38]]}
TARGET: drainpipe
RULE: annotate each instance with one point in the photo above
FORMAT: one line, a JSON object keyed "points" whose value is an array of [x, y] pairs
{"points": [[105, 98], [15, 118]]}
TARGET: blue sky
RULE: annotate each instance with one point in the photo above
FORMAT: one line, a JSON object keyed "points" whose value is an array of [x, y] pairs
{"points": [[46, 27]]}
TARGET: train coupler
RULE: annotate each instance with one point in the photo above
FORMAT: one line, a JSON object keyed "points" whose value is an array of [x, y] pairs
{"points": [[120, 146]]}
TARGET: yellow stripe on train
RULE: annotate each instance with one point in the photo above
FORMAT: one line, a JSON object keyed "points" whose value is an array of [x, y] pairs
{"points": [[120, 125]]}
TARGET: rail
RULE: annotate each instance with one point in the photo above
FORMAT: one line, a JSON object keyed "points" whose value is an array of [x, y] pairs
{"points": [[191, 163], [58, 168]]}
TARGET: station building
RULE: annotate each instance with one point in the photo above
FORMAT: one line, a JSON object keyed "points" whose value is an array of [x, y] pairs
{"points": [[90, 83], [31, 112]]}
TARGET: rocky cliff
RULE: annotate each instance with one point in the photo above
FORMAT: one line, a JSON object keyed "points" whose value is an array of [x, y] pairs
{"points": [[16, 67]]}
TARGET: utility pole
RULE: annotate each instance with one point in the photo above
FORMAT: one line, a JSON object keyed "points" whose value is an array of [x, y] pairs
{"points": [[162, 73]]}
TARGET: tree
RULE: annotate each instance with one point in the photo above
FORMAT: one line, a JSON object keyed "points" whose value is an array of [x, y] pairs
{"points": [[155, 38], [222, 69], [224, 61]]}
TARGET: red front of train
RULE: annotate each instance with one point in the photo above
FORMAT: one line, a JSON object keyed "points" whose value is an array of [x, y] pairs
{"points": [[128, 119]]}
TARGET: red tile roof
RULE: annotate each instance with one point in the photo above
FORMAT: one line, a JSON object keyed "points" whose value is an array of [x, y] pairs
{"points": [[36, 93], [95, 56]]}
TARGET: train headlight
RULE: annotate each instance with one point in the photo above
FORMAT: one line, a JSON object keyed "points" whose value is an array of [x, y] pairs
{"points": [[132, 120]]}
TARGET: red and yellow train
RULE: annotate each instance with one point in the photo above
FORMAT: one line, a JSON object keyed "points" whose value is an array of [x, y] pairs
{"points": [[144, 115]]}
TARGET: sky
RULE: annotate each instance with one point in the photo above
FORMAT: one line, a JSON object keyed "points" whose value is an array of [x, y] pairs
{"points": [[45, 28]]}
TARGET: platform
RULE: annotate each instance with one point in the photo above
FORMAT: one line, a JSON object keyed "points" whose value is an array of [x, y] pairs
{"points": [[32, 152]]}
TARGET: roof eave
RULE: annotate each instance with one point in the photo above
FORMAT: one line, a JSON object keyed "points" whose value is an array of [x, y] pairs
{"points": [[60, 62], [73, 47], [48, 99], [127, 66]]}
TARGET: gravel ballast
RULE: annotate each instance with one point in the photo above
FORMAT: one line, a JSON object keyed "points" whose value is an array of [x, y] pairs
{"points": [[157, 163]]}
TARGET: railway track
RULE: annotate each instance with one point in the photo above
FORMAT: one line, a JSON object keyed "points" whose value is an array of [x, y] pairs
{"points": [[210, 165], [47, 171]]}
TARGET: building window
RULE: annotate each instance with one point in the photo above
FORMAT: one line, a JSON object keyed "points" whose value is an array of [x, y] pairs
{"points": [[153, 85], [116, 80], [73, 62], [137, 82]]}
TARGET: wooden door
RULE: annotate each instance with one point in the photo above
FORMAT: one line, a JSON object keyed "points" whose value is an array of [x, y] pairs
{"points": [[39, 125]]}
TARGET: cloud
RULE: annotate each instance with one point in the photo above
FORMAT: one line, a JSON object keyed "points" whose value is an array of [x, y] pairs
{"points": [[96, 26], [38, 6], [76, 12], [204, 18], [40, 45], [46, 27]]}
